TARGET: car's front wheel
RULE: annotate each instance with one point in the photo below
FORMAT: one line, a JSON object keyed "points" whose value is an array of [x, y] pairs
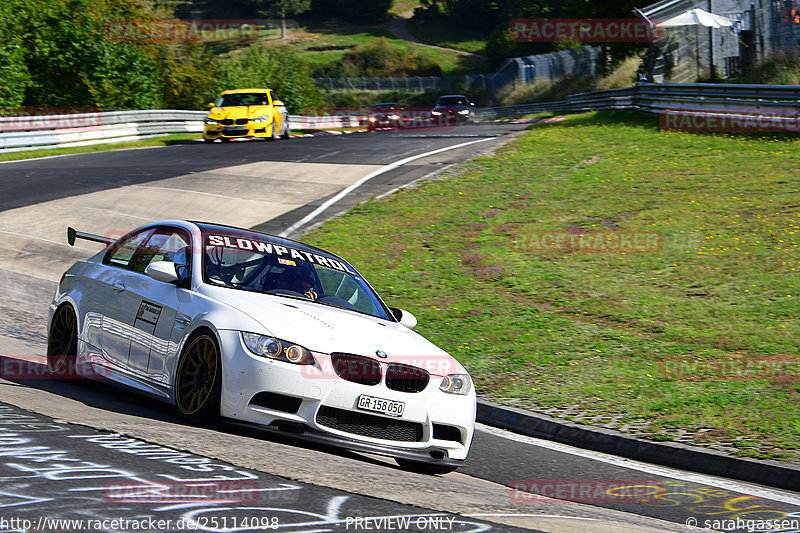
{"points": [[62, 342], [424, 468], [198, 380]]}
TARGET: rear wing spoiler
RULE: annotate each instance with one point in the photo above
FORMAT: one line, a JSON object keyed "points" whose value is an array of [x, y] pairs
{"points": [[72, 234]]}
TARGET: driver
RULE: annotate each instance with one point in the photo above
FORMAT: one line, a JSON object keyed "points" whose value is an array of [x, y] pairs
{"points": [[299, 284]]}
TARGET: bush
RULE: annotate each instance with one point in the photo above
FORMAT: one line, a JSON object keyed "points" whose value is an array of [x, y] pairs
{"points": [[780, 69], [278, 68], [379, 58]]}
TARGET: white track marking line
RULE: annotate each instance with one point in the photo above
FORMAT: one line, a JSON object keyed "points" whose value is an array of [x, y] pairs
{"points": [[28, 236], [120, 213], [54, 282], [683, 475], [344, 192], [186, 191]]}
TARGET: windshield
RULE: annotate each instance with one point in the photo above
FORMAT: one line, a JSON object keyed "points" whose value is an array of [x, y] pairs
{"points": [[452, 100], [249, 261], [242, 99]]}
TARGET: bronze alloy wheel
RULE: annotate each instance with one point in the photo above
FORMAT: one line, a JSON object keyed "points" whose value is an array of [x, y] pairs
{"points": [[198, 380], [62, 343]]}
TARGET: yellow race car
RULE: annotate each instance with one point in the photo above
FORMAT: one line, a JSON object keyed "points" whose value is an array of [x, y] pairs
{"points": [[247, 113]]}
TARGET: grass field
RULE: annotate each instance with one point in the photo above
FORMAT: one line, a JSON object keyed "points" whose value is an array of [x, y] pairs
{"points": [[327, 42], [164, 140], [591, 335], [439, 34]]}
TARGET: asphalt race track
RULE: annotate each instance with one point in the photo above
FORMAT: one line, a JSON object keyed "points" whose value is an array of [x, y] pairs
{"points": [[87, 451]]}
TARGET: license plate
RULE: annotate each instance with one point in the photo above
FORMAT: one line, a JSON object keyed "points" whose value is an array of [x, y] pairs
{"points": [[379, 405], [235, 130]]}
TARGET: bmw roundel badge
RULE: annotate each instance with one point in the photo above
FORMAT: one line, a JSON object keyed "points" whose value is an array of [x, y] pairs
{"points": [[381, 354]]}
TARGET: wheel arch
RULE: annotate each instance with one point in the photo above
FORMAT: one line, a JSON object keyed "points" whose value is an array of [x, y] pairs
{"points": [[190, 336], [199, 330], [65, 300]]}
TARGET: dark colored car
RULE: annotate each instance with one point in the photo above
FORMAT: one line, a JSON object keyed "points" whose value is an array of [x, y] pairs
{"points": [[386, 115], [454, 108]]}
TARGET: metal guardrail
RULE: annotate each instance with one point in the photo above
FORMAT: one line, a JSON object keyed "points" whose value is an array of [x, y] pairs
{"points": [[19, 133], [660, 97], [31, 132], [34, 122]]}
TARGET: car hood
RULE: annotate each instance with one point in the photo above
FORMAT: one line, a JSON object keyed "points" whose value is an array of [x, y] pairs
{"points": [[325, 329], [253, 111]]}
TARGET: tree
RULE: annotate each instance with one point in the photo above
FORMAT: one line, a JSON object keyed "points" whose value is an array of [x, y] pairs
{"points": [[14, 74], [275, 67], [282, 7], [364, 10]]}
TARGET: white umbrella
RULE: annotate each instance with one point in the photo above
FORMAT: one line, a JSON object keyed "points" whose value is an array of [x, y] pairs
{"points": [[694, 17]]}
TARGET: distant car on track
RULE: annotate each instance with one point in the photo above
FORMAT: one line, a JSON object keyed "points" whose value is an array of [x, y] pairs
{"points": [[243, 113], [232, 323], [454, 108], [386, 115]]}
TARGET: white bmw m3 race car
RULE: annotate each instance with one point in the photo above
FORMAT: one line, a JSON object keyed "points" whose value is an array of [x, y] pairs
{"points": [[227, 322]]}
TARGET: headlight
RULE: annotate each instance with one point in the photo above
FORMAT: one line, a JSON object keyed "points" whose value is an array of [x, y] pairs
{"points": [[464, 112], [273, 348], [455, 384], [371, 119], [437, 113], [211, 122], [265, 118], [395, 117]]}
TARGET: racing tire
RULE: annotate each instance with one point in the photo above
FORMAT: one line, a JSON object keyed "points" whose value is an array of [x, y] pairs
{"points": [[424, 468], [275, 135], [208, 140], [62, 343], [198, 380], [287, 130], [225, 139]]}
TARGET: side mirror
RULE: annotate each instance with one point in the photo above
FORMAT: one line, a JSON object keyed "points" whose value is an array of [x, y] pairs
{"points": [[404, 317], [277, 102], [165, 271], [210, 105]]}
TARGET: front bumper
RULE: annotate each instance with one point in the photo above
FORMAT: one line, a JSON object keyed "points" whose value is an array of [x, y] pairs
{"points": [[251, 129], [318, 405]]}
